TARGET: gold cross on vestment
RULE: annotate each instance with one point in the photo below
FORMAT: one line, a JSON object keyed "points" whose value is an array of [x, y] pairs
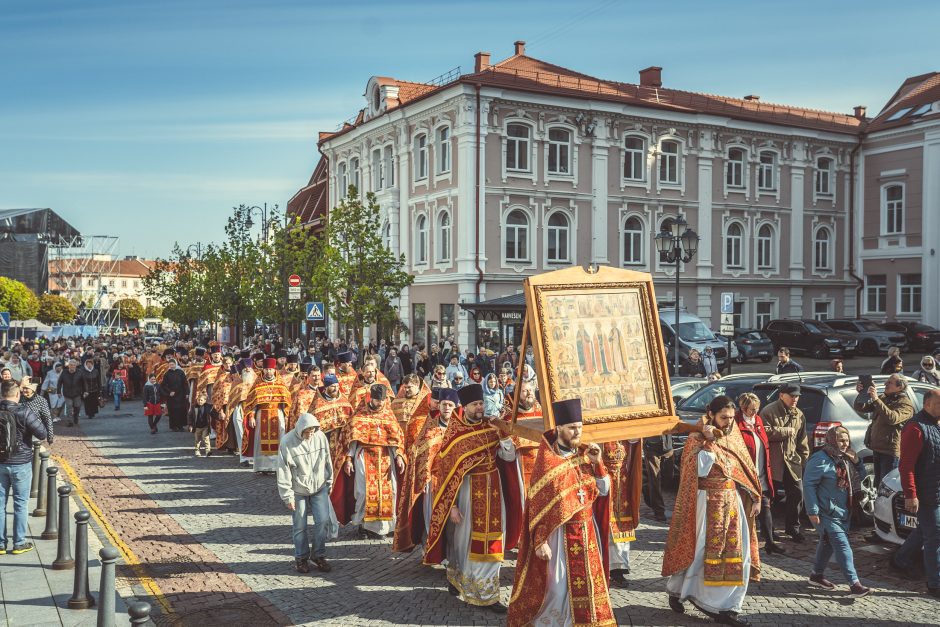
{"points": [[581, 495]]}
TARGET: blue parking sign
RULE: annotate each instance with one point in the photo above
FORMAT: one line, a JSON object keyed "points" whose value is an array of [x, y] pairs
{"points": [[727, 302], [315, 311]]}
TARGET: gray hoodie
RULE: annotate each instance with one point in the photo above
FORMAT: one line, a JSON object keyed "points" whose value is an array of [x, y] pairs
{"points": [[304, 466]]}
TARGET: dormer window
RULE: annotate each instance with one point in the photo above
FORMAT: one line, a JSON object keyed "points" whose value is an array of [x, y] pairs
{"points": [[376, 99]]}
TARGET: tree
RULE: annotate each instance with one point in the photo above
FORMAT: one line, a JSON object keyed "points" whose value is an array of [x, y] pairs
{"points": [[55, 309], [153, 311], [131, 309], [364, 275], [18, 299], [179, 284]]}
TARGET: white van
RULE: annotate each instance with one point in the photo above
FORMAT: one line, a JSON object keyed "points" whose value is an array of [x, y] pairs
{"points": [[691, 333]]}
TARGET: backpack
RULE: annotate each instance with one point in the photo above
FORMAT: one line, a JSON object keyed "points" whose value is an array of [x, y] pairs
{"points": [[8, 434]]}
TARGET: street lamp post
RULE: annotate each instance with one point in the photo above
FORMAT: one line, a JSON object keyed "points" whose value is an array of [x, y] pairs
{"points": [[678, 246], [198, 247], [264, 219]]}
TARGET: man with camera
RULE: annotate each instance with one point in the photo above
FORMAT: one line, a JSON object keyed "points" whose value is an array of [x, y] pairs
{"points": [[888, 412]]}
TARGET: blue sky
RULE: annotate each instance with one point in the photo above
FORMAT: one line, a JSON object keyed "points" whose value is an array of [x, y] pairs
{"points": [[150, 120]]}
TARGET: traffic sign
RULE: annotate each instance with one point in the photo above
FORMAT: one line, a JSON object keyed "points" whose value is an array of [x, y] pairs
{"points": [[4, 319], [727, 302], [293, 293], [293, 280], [315, 311], [727, 324]]}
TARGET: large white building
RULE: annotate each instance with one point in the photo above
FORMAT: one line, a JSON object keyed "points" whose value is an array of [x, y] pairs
{"points": [[524, 166]]}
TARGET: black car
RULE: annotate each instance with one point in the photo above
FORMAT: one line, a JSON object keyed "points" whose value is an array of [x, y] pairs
{"points": [[873, 338], [921, 338], [811, 337], [752, 344]]}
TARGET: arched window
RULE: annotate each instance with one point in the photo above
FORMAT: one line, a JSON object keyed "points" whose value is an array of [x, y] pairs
{"points": [[421, 240], [387, 235], [734, 244], [342, 180], [632, 241], [734, 168], [443, 237], [669, 162], [517, 147], [824, 176], [822, 259], [443, 149], [354, 173], [517, 236], [421, 157], [767, 175], [559, 151], [634, 159], [765, 247], [558, 232], [892, 209]]}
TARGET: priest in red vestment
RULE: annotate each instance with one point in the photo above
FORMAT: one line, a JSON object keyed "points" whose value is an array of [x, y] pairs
{"points": [[411, 407], [625, 464], [332, 409], [368, 463], [363, 384], [266, 409], [529, 407], [422, 475], [560, 574], [345, 373], [476, 514]]}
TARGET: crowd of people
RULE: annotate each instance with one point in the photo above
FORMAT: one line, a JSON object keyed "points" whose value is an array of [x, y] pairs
{"points": [[415, 445]]}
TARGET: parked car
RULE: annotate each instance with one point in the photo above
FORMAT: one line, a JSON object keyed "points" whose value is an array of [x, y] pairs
{"points": [[752, 344], [921, 338], [873, 339], [735, 353], [684, 387], [826, 401], [893, 523], [691, 333], [811, 337]]}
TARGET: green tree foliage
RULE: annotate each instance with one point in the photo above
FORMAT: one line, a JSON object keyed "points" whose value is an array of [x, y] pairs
{"points": [[153, 311], [55, 309], [235, 270], [179, 284], [364, 275], [131, 309], [18, 299]]}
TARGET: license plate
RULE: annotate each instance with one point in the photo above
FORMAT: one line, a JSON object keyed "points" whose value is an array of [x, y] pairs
{"points": [[907, 521], [762, 353]]}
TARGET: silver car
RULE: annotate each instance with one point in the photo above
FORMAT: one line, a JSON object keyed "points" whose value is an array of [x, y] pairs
{"points": [[893, 523]]}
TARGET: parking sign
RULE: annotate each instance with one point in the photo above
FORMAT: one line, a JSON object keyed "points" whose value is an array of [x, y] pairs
{"points": [[727, 302]]}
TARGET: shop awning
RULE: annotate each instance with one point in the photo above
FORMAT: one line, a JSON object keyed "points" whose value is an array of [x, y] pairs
{"points": [[493, 309]]}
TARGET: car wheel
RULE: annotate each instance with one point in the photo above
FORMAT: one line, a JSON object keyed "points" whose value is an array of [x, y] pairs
{"points": [[868, 347], [740, 359], [866, 497], [820, 352]]}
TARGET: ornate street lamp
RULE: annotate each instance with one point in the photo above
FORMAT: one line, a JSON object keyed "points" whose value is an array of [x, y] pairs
{"points": [[264, 219], [677, 244]]}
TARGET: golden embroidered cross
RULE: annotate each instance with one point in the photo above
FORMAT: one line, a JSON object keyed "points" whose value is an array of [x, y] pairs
{"points": [[581, 495], [579, 583]]}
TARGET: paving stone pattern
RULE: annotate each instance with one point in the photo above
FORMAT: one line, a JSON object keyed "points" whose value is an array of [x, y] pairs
{"points": [[218, 542]]}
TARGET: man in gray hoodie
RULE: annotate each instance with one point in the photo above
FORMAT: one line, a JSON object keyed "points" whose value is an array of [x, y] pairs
{"points": [[304, 478]]}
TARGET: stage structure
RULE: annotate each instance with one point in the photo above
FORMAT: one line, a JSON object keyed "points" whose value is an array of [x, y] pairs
{"points": [[79, 270], [26, 237]]}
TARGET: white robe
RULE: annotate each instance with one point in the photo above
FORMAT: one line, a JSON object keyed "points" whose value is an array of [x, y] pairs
{"points": [[238, 420], [477, 582], [619, 554], [690, 584], [267, 463], [556, 610], [380, 527]]}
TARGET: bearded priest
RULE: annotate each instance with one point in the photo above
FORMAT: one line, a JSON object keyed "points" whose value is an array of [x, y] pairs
{"points": [[561, 576], [266, 409]]}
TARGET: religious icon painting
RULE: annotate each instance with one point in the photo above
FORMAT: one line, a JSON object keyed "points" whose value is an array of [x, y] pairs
{"points": [[596, 336]]}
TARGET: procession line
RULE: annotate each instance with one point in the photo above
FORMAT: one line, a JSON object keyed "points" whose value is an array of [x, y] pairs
{"points": [[130, 558]]}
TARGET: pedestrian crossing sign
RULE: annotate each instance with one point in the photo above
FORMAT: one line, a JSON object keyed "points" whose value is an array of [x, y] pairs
{"points": [[315, 311], [4, 320]]}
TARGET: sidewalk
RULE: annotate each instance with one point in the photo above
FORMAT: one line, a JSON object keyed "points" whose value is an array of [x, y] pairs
{"points": [[34, 594]]}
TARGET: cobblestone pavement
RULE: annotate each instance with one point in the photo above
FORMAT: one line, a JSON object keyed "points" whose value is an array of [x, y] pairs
{"points": [[216, 540]]}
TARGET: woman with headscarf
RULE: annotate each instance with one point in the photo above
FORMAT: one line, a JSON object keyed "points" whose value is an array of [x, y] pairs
{"points": [[711, 551], [927, 373], [693, 366], [492, 396], [752, 430], [893, 363], [828, 487]]}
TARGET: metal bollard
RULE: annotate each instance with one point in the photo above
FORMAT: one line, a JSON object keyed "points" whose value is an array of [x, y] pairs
{"points": [[51, 532], [34, 486], [139, 613], [81, 596], [41, 495], [109, 556], [63, 558]]}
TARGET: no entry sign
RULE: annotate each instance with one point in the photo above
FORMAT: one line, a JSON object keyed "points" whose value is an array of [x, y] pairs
{"points": [[293, 280]]}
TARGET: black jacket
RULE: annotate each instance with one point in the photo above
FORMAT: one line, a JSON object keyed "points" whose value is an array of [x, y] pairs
{"points": [[175, 381], [690, 369], [91, 380], [70, 383], [28, 426]]}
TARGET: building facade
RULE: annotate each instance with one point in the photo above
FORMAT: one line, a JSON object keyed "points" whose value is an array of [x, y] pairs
{"points": [[524, 167], [899, 199], [113, 279]]}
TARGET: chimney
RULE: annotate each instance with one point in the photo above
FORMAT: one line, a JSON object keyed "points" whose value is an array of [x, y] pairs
{"points": [[520, 47], [482, 61], [651, 77], [752, 97], [860, 112]]}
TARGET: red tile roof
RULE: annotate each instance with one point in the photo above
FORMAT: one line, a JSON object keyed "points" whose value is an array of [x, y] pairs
{"points": [[122, 267], [913, 94], [525, 73], [310, 203]]}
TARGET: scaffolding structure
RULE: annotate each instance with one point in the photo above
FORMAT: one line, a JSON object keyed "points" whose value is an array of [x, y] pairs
{"points": [[79, 268]]}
